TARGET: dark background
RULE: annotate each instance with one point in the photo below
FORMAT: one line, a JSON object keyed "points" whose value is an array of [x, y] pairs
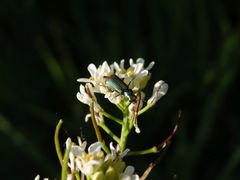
{"points": [[46, 45]]}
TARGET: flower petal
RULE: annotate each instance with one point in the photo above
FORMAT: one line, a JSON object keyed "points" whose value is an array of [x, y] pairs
{"points": [[92, 69], [140, 61], [159, 90], [129, 170], [84, 80], [138, 68], [95, 147], [87, 117], [150, 66], [117, 67], [122, 64], [131, 63], [124, 153], [37, 177]]}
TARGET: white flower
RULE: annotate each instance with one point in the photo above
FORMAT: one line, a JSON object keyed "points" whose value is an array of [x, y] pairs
{"points": [[159, 90], [115, 152], [86, 96], [37, 177], [71, 163], [94, 163], [128, 174], [87, 162], [135, 78]]}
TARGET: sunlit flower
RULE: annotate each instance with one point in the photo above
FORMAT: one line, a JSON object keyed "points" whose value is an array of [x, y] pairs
{"points": [[86, 96], [124, 87], [86, 162], [95, 164], [135, 77], [128, 174], [115, 152]]}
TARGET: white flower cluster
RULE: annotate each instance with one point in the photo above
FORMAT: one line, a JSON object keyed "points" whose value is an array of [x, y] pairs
{"points": [[124, 88], [93, 162], [135, 76]]}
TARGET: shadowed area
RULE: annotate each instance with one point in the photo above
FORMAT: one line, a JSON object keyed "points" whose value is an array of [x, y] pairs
{"points": [[46, 45]]}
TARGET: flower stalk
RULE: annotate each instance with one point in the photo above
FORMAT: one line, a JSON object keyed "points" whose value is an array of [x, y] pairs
{"points": [[65, 162], [126, 128], [111, 117], [57, 143]]}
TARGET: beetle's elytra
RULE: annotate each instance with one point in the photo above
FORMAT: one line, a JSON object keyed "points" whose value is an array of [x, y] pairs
{"points": [[114, 83]]}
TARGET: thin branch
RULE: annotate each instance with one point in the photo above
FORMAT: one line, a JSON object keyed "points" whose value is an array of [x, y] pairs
{"points": [[56, 142], [152, 165], [109, 116], [65, 163], [109, 132], [162, 146]]}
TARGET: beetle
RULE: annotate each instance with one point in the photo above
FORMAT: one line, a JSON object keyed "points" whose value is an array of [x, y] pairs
{"points": [[116, 84]]}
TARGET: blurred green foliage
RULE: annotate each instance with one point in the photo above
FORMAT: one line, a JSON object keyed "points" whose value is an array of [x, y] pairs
{"points": [[46, 45]]}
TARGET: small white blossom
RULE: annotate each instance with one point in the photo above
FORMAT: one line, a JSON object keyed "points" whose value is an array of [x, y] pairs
{"points": [[71, 163], [93, 162], [115, 152], [75, 150], [37, 177], [87, 162], [129, 174], [159, 90], [136, 77], [86, 96]]}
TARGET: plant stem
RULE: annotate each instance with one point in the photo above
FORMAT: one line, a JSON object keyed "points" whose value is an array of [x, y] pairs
{"points": [[77, 176], [65, 163], [109, 132], [124, 132], [56, 141], [151, 166], [144, 109], [151, 150], [109, 116]]}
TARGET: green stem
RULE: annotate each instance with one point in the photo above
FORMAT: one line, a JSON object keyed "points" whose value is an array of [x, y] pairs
{"points": [[77, 176], [109, 116], [151, 150], [120, 106], [144, 109], [56, 142], [151, 166], [105, 148], [124, 132], [65, 163], [109, 132]]}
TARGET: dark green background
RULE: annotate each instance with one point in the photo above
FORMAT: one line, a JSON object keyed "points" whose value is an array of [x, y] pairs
{"points": [[46, 45]]}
